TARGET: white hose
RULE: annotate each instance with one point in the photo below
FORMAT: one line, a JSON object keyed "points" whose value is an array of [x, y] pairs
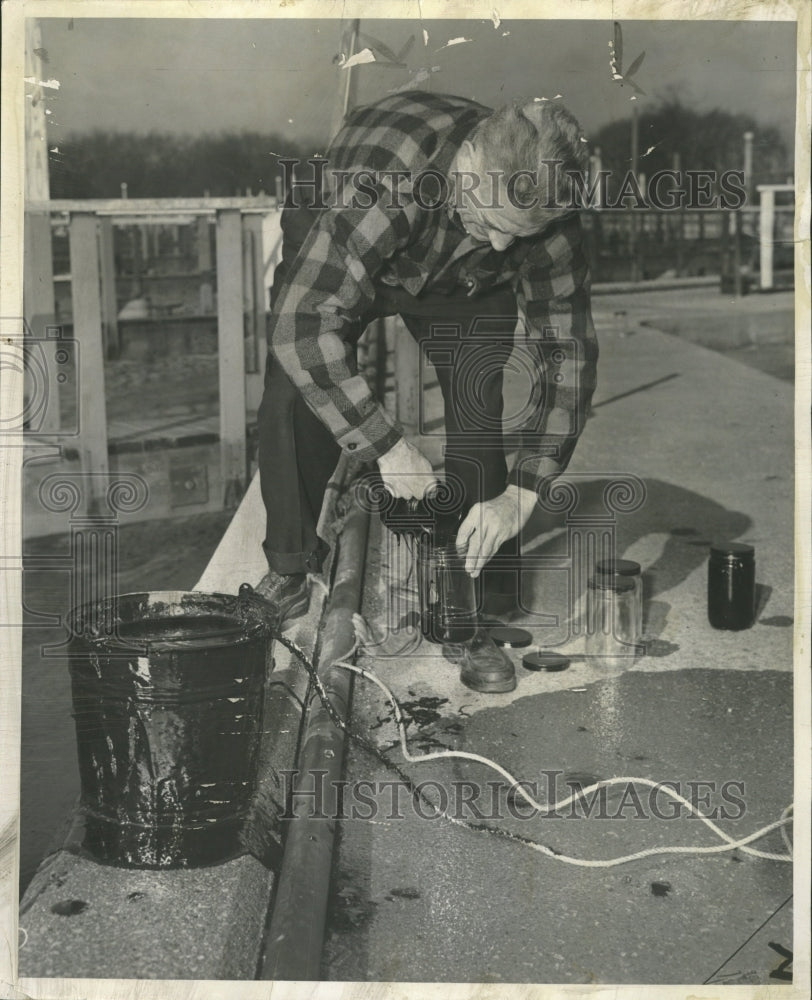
{"points": [[730, 843]]}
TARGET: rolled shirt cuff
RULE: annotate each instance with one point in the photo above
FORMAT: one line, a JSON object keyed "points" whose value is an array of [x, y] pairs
{"points": [[373, 437]]}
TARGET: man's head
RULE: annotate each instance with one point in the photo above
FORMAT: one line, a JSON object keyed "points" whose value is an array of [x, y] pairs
{"points": [[511, 174]]}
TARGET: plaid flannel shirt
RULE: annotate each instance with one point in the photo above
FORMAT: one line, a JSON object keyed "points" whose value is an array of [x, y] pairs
{"points": [[331, 282]]}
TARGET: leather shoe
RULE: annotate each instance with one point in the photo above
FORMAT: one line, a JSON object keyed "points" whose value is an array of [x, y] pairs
{"points": [[483, 665], [290, 594]]}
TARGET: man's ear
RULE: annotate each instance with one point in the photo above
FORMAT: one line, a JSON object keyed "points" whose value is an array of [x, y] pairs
{"points": [[468, 154]]}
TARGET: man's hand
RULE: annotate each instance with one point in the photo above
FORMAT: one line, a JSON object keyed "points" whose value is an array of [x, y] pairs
{"points": [[406, 472], [491, 523]]}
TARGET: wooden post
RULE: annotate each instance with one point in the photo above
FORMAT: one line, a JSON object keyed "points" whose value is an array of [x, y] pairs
{"points": [[249, 290], [108, 288], [231, 354], [407, 382], [39, 308], [87, 330], [679, 220], [635, 141], [737, 253], [203, 245], [206, 296], [257, 303], [724, 250], [766, 225]]}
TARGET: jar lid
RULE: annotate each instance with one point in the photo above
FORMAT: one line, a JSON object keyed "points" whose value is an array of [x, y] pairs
{"points": [[545, 661], [513, 638], [733, 550], [617, 583], [623, 567]]}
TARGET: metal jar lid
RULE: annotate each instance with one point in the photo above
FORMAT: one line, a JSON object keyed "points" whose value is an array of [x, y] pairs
{"points": [[513, 638], [617, 583], [732, 550], [545, 661], [623, 567]]}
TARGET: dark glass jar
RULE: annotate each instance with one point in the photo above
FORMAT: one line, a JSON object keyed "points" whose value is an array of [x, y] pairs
{"points": [[448, 608], [732, 586]]}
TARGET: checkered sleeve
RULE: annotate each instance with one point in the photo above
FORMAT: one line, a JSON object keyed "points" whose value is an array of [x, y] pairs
{"points": [[329, 286], [553, 299]]}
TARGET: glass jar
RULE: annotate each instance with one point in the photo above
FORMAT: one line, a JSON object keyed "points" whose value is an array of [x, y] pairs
{"points": [[732, 586], [612, 637], [631, 569], [448, 607]]}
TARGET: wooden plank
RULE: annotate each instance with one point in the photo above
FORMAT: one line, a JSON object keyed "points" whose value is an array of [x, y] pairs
{"points": [[203, 244], [257, 289], [87, 330], [407, 378], [231, 353], [144, 206], [108, 289], [39, 310], [249, 306]]}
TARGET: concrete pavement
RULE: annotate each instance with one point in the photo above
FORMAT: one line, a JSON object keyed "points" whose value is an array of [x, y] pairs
{"points": [[711, 439]]}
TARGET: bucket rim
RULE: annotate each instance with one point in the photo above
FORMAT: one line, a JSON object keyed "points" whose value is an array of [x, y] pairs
{"points": [[252, 614]]}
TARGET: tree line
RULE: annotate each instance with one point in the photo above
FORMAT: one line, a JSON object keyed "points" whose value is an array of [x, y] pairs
{"points": [[163, 165]]}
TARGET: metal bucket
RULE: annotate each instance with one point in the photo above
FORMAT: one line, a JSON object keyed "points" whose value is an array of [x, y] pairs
{"points": [[167, 698]]}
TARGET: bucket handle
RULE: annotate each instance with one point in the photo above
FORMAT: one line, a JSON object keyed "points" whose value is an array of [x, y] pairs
{"points": [[248, 600]]}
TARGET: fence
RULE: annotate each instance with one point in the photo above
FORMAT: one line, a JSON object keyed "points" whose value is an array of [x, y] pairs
{"points": [[755, 242], [247, 240], [139, 276]]}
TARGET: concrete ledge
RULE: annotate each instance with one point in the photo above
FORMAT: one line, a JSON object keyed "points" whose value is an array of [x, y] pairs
{"points": [[85, 920]]}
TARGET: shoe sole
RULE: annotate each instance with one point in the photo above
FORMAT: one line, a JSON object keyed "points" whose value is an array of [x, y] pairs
{"points": [[497, 686]]}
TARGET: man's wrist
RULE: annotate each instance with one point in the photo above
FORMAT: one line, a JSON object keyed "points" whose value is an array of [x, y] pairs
{"points": [[520, 495], [391, 455]]}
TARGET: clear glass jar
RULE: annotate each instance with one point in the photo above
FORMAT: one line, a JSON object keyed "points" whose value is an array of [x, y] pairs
{"points": [[631, 569], [448, 606], [612, 619]]}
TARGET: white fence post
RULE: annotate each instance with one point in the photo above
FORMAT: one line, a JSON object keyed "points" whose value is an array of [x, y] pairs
{"points": [[87, 331], [108, 288], [766, 228], [39, 308], [231, 353]]}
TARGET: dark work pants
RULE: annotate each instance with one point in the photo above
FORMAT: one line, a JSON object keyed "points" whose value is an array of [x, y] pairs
{"points": [[468, 340]]}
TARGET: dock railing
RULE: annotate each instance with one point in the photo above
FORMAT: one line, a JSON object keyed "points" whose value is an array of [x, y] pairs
{"points": [[247, 246]]}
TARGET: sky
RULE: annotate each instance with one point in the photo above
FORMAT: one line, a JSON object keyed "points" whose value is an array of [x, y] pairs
{"points": [[202, 75]]}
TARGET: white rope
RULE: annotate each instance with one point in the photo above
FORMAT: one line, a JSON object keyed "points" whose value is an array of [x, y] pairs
{"points": [[730, 843], [316, 580]]}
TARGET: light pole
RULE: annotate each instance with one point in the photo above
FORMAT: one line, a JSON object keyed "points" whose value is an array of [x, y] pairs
{"points": [[635, 139]]}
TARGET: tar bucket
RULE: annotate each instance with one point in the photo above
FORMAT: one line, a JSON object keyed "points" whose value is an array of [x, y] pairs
{"points": [[167, 698]]}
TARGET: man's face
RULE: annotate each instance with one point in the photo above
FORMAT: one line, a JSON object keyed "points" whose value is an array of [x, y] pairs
{"points": [[498, 221], [498, 226]]}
